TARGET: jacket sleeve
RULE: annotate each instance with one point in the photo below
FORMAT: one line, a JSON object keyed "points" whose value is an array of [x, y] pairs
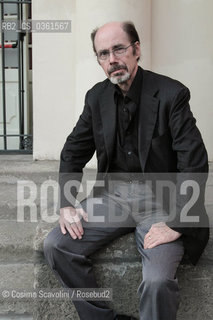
{"points": [[77, 151], [192, 165]]}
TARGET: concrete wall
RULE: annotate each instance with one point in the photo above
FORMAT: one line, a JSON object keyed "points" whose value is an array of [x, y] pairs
{"points": [[53, 80], [182, 47], [175, 39]]}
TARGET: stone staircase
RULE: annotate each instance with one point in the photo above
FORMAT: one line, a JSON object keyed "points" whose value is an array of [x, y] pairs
{"points": [[23, 268]]}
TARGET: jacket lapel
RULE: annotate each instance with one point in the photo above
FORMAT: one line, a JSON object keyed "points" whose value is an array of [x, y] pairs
{"points": [[108, 115], [147, 117]]}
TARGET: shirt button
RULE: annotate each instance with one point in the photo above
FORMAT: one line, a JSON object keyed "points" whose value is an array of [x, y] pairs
{"points": [[129, 153]]}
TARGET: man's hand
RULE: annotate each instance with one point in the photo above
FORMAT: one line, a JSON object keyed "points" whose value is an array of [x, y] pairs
{"points": [[70, 220], [158, 234]]}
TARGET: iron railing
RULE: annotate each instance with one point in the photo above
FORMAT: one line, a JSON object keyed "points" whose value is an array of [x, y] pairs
{"points": [[25, 139]]}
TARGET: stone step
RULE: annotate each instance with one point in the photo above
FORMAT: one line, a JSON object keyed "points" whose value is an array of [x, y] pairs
{"points": [[17, 188], [17, 275], [124, 278], [16, 317], [16, 241], [15, 278], [17, 310], [109, 275], [22, 264], [26, 164], [11, 195]]}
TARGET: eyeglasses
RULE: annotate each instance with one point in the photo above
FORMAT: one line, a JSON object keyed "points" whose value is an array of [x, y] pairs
{"points": [[117, 52]]}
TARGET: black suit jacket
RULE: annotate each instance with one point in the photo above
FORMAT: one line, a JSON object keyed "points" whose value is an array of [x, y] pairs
{"points": [[168, 141]]}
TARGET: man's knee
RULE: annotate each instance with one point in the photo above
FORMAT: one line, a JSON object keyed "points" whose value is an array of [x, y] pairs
{"points": [[52, 243], [57, 244], [158, 283]]}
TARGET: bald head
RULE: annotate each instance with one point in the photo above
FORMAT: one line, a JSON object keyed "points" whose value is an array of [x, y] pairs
{"points": [[107, 30], [127, 26]]}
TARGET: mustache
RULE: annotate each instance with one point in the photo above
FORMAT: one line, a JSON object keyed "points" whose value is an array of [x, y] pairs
{"points": [[117, 67]]}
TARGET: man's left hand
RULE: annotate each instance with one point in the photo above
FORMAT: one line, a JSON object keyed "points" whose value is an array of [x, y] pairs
{"points": [[159, 233]]}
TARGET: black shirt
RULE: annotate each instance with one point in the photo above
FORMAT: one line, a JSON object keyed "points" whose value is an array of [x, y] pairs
{"points": [[125, 156]]}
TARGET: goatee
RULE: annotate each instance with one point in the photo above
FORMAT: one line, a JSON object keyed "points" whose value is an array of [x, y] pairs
{"points": [[120, 78]]}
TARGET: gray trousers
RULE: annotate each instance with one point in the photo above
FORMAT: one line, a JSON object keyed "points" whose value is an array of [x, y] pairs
{"points": [[121, 209]]}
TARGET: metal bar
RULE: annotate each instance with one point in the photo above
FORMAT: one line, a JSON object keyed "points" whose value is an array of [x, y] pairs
{"points": [[22, 73], [3, 83], [16, 135], [19, 82], [17, 1]]}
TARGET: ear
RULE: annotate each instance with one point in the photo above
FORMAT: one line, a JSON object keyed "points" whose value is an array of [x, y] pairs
{"points": [[137, 49]]}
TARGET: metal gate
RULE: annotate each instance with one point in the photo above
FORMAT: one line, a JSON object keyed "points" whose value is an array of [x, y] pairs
{"points": [[16, 78]]}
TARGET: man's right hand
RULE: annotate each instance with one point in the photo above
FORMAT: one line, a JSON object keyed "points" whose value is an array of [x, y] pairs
{"points": [[70, 220]]}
